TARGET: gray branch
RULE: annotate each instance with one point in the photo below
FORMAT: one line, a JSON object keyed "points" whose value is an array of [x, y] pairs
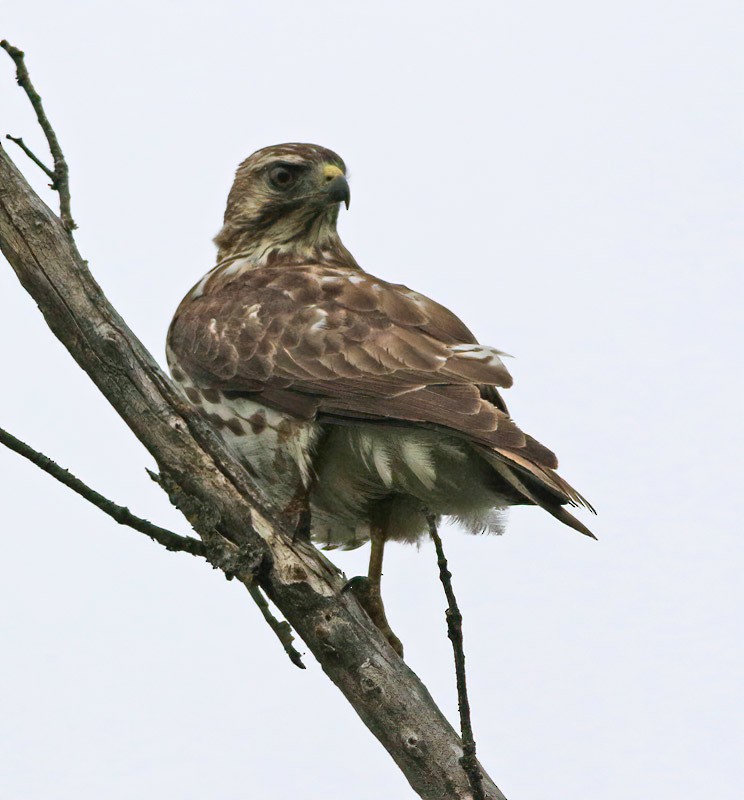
{"points": [[468, 761], [60, 174], [169, 539], [122, 515], [242, 533]]}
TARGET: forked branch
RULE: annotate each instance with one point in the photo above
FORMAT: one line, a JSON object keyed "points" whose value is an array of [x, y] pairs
{"points": [[60, 174]]}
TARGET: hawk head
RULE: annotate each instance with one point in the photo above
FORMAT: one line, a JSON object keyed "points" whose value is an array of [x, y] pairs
{"points": [[285, 198]]}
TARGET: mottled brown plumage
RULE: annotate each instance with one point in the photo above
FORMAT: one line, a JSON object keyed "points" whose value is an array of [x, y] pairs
{"points": [[370, 398]]}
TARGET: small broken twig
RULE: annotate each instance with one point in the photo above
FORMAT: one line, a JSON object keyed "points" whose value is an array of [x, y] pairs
{"points": [[60, 175], [281, 628], [39, 163], [468, 761]]}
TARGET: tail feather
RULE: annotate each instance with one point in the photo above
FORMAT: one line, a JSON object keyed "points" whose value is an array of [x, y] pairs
{"points": [[548, 479], [546, 476]]}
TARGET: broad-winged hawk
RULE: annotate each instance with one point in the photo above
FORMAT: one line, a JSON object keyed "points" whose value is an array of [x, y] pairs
{"points": [[361, 398]]}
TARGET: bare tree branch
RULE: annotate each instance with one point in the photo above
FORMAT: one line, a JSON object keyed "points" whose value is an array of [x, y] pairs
{"points": [[243, 534], [171, 541], [60, 174], [468, 761], [122, 515]]}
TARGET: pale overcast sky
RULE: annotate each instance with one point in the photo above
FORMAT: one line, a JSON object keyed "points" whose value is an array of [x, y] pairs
{"points": [[568, 178]]}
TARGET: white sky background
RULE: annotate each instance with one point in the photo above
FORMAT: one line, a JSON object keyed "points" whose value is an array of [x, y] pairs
{"points": [[567, 177]]}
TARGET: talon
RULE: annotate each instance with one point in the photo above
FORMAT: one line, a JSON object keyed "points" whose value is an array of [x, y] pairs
{"points": [[359, 587]]}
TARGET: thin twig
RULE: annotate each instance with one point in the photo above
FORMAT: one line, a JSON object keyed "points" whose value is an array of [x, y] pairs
{"points": [[468, 761], [281, 628], [61, 174], [169, 540], [39, 163]]}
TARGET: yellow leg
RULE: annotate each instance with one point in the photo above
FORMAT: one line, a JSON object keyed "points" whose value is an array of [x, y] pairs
{"points": [[373, 604], [376, 552]]}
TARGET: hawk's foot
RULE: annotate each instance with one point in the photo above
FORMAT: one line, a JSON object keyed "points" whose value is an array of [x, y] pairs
{"points": [[364, 590]]}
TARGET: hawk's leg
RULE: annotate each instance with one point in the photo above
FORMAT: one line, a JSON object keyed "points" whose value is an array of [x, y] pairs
{"points": [[367, 591]]}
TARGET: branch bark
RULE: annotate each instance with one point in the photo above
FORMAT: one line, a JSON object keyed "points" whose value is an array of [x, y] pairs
{"points": [[242, 533]]}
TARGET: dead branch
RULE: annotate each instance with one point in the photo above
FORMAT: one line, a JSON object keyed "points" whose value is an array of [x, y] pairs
{"points": [[60, 174], [241, 532], [122, 515], [170, 540], [281, 627], [30, 153], [469, 762]]}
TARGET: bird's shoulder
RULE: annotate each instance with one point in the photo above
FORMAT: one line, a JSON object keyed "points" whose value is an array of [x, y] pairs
{"points": [[291, 289]]}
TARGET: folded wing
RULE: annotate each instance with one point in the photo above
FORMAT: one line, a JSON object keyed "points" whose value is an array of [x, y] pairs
{"points": [[339, 346]]}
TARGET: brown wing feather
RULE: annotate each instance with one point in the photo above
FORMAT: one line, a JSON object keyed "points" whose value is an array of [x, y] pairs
{"points": [[338, 344]]}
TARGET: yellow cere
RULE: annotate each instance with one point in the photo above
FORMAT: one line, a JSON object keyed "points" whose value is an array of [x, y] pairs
{"points": [[331, 171]]}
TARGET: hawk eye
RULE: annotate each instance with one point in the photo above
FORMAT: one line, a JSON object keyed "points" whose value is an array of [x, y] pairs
{"points": [[282, 177]]}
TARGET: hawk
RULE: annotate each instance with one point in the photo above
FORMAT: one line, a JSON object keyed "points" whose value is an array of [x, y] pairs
{"points": [[355, 403]]}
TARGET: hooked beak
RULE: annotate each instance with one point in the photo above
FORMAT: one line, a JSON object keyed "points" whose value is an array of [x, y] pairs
{"points": [[335, 185]]}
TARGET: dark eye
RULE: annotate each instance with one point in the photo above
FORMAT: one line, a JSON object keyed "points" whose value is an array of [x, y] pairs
{"points": [[282, 177]]}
